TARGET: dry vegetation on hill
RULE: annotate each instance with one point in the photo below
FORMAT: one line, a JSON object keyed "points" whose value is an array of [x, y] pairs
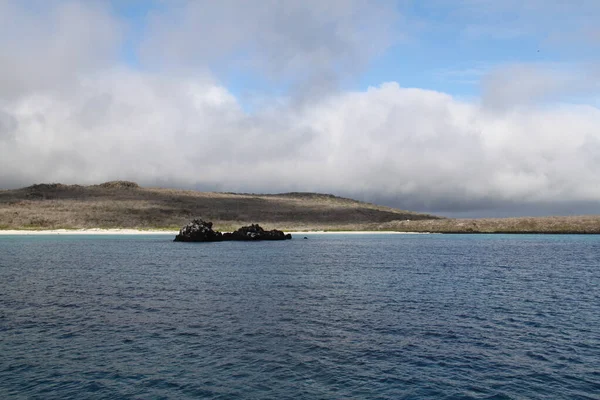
{"points": [[573, 224], [122, 204]]}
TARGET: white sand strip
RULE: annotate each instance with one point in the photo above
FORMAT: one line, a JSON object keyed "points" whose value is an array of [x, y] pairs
{"points": [[88, 232], [356, 233]]}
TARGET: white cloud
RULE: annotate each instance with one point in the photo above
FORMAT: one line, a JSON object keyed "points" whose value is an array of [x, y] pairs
{"points": [[70, 113], [418, 146]]}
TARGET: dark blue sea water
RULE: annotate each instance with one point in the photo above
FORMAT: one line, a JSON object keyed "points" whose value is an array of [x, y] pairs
{"points": [[335, 316]]}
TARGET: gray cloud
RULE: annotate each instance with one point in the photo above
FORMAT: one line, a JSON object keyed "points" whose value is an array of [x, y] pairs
{"points": [[49, 48], [295, 43], [8, 125]]}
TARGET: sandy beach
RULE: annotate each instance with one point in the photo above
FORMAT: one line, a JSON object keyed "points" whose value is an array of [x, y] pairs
{"points": [[356, 233], [88, 232]]}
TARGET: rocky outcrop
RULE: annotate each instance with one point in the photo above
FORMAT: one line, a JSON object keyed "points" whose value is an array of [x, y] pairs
{"points": [[256, 232], [201, 231], [198, 231]]}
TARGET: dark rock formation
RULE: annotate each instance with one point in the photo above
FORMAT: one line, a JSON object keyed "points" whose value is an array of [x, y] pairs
{"points": [[255, 232], [198, 231], [201, 231]]}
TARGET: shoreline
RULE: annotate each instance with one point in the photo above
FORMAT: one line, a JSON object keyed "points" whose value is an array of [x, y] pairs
{"points": [[356, 233], [92, 231], [129, 231], [99, 231]]}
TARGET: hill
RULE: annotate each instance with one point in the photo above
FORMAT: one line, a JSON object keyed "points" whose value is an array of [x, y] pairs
{"points": [[582, 224], [122, 204]]}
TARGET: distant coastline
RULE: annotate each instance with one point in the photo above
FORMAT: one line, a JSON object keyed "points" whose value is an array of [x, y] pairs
{"points": [[122, 207], [99, 231], [31, 232]]}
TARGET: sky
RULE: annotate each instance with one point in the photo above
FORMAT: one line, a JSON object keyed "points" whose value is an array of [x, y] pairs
{"points": [[458, 107]]}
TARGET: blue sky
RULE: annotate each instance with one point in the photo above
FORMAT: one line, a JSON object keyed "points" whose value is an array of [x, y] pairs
{"points": [[439, 45], [464, 107]]}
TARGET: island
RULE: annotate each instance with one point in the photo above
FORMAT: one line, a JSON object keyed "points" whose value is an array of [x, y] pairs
{"points": [[199, 230], [127, 206]]}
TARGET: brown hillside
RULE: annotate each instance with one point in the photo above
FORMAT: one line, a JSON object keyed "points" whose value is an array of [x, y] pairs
{"points": [[122, 204]]}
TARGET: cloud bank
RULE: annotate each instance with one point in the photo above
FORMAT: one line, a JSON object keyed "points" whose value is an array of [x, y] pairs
{"points": [[71, 112]]}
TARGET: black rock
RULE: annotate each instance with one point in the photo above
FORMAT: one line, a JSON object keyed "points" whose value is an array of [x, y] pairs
{"points": [[256, 232], [201, 231], [198, 231]]}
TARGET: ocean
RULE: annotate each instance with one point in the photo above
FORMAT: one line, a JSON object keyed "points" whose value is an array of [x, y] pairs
{"points": [[334, 316]]}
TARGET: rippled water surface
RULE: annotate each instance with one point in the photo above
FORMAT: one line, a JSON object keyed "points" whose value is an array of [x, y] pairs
{"points": [[334, 316]]}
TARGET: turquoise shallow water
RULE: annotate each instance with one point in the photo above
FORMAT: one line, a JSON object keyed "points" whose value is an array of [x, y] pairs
{"points": [[335, 316]]}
